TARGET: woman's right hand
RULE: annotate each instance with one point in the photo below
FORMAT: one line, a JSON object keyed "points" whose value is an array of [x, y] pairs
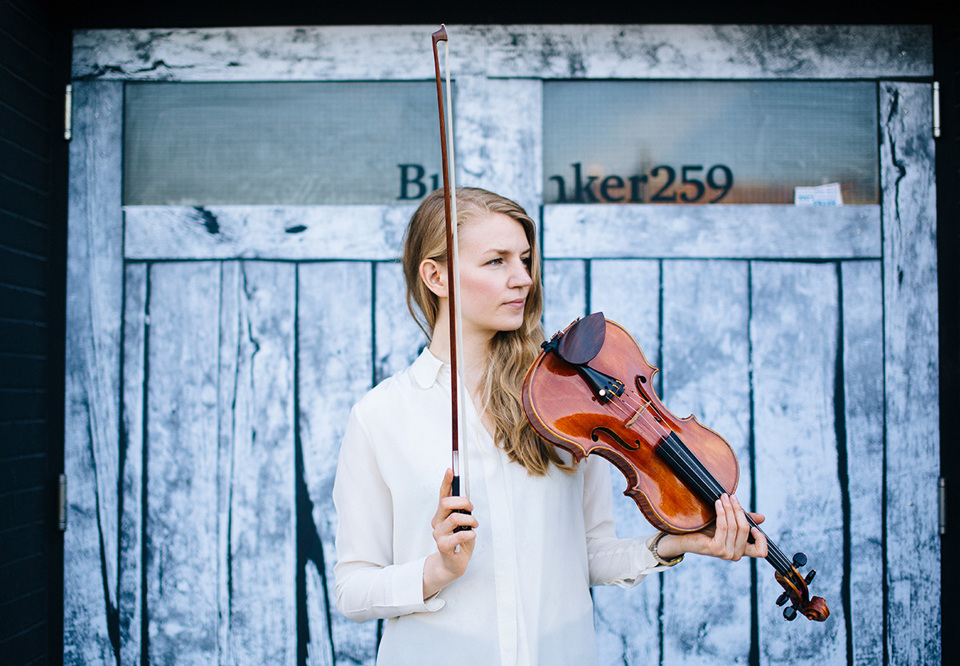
{"points": [[453, 548]]}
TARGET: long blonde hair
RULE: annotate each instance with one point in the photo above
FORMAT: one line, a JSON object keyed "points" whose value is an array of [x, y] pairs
{"points": [[511, 352]]}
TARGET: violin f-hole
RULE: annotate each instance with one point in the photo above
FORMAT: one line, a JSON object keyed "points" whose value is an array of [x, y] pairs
{"points": [[614, 436]]}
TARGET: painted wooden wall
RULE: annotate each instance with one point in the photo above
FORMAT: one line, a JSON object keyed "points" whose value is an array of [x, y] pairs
{"points": [[210, 368]]}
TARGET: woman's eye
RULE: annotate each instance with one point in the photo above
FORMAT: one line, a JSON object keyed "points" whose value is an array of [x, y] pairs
{"points": [[495, 262]]}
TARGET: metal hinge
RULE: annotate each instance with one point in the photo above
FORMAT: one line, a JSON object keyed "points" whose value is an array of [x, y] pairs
{"points": [[942, 505], [68, 113], [62, 504], [936, 109]]}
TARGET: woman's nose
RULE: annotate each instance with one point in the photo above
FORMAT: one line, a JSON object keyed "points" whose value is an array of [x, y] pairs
{"points": [[519, 277]]}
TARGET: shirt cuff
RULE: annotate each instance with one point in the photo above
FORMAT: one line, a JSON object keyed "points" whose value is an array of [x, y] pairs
{"points": [[433, 603], [407, 593], [637, 561]]}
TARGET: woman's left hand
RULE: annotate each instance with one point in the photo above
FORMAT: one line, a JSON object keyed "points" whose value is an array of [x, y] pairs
{"points": [[726, 538]]}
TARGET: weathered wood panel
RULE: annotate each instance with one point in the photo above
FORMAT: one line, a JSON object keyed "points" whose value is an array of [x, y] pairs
{"points": [[863, 416], [264, 232], [334, 342], [745, 231], [911, 372], [130, 585], [398, 338], [499, 142], [794, 332], [256, 512], [706, 373], [521, 51], [565, 294], [628, 622], [101, 591], [628, 292], [93, 331], [181, 464], [709, 52]]}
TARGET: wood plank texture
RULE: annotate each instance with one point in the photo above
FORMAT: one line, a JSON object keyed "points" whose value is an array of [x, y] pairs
{"points": [[911, 372], [518, 51], [721, 231], [565, 294], [398, 338], [180, 459], [130, 586], [256, 508], [181, 463], [706, 373], [93, 325], [628, 622], [794, 340], [213, 353], [863, 418], [264, 232], [499, 138], [334, 328]]}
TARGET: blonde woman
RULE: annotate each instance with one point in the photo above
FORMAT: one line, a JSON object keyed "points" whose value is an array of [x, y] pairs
{"points": [[514, 589]]}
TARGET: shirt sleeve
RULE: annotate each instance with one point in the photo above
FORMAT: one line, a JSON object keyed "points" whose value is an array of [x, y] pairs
{"points": [[369, 585], [612, 561]]}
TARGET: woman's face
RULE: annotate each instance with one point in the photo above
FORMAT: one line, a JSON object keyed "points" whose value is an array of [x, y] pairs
{"points": [[494, 274]]}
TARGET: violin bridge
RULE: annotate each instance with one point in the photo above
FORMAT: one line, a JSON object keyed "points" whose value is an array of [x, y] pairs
{"points": [[633, 419]]}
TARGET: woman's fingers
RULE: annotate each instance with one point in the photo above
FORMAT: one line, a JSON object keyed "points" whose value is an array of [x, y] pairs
{"points": [[446, 486], [743, 529], [458, 515], [730, 540], [759, 546], [452, 512], [454, 548], [448, 502], [723, 537]]}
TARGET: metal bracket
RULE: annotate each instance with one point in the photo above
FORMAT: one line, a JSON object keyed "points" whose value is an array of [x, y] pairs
{"points": [[62, 504], [68, 113], [942, 505], [936, 109]]}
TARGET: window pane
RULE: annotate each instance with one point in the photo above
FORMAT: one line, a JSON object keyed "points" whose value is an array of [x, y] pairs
{"points": [[280, 143], [708, 141]]}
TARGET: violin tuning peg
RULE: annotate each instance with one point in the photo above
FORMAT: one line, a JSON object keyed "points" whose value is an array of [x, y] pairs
{"points": [[809, 578], [799, 560], [782, 599], [790, 613]]}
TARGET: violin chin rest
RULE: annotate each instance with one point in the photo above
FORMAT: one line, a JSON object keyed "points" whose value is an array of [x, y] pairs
{"points": [[583, 339]]}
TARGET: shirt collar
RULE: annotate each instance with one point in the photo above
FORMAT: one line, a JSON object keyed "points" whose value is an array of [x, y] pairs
{"points": [[427, 368]]}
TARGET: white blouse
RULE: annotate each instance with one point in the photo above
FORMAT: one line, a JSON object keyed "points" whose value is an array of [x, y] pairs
{"points": [[541, 541]]}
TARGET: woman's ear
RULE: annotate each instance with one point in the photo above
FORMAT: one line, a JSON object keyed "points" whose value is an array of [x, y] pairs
{"points": [[434, 275]]}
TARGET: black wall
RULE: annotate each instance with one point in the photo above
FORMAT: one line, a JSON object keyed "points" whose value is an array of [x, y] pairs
{"points": [[32, 242], [34, 68]]}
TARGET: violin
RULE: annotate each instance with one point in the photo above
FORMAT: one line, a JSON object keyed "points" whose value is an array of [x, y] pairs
{"points": [[590, 391]]}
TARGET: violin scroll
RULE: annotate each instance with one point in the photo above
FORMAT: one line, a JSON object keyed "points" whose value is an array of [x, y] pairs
{"points": [[795, 591]]}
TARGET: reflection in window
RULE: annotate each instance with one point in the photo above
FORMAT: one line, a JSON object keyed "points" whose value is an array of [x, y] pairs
{"points": [[708, 141], [280, 143]]}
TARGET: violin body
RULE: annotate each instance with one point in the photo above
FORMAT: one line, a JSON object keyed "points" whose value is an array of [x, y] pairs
{"points": [[579, 422], [591, 392]]}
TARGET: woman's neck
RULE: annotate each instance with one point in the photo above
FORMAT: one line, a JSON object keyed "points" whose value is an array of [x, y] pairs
{"points": [[475, 352]]}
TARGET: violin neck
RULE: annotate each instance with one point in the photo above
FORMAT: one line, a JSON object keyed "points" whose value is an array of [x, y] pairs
{"points": [[699, 479], [775, 556]]}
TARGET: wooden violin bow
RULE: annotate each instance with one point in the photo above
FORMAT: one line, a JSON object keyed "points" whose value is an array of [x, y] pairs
{"points": [[458, 406]]}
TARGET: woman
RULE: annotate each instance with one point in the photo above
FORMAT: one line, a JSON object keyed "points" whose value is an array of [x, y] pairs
{"points": [[514, 589]]}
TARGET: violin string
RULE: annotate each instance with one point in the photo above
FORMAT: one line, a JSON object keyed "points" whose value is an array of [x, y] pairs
{"points": [[674, 449], [698, 475]]}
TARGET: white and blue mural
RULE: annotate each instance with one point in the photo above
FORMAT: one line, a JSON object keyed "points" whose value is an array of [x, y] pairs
{"points": [[214, 350]]}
